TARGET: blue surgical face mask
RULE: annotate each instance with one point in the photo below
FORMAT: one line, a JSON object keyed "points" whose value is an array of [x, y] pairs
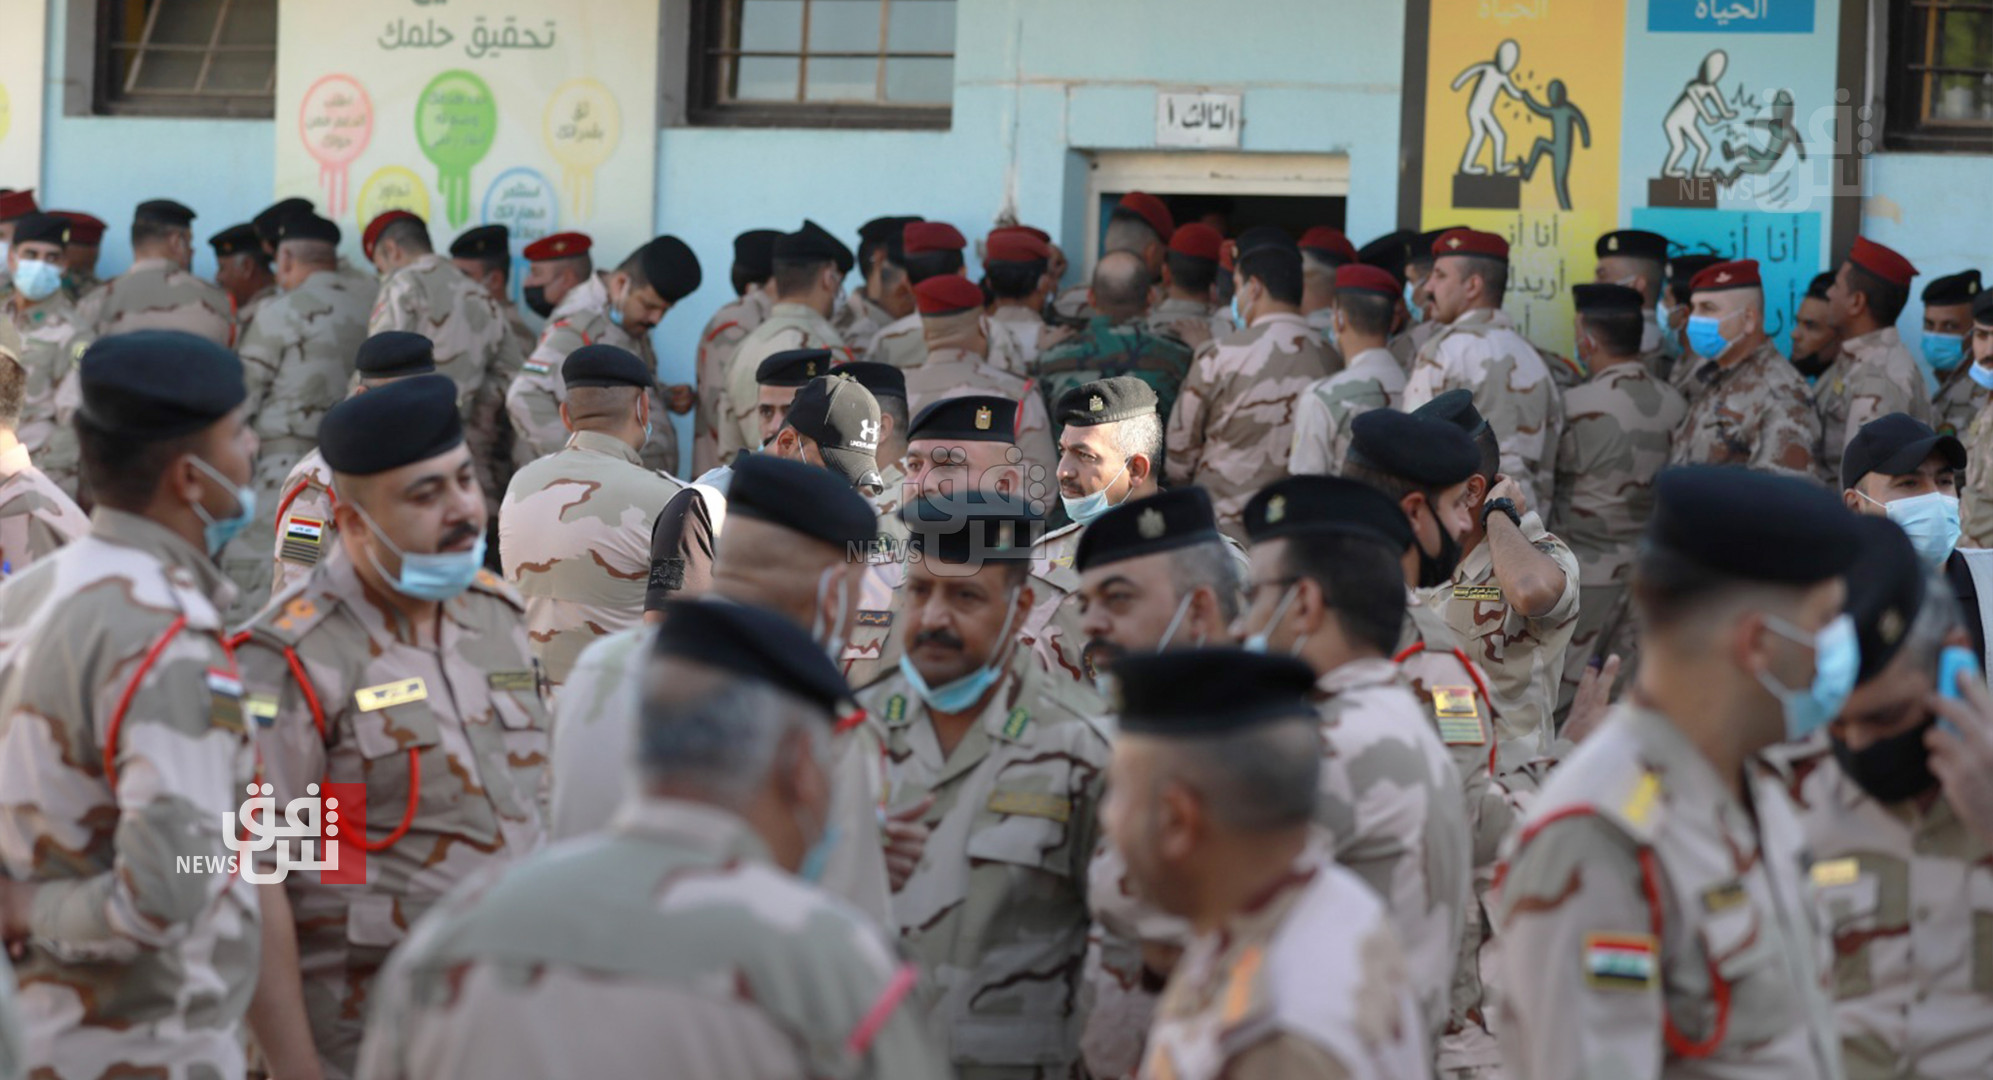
{"points": [[1706, 336], [217, 532], [37, 280], [1981, 374], [1836, 659], [1088, 507], [1671, 338], [1413, 311], [436, 577], [1943, 351], [1238, 320], [1257, 643], [959, 695], [1930, 520]]}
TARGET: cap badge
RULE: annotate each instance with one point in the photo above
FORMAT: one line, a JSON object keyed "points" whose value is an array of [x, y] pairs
{"points": [[1723, 277], [560, 247], [1453, 242], [1095, 404], [810, 368], [983, 418], [1150, 524], [1612, 243], [1890, 626], [1276, 509]]}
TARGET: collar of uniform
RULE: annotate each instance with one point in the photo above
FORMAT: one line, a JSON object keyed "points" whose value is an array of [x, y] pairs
{"points": [[706, 829], [789, 309], [382, 622], [154, 263], [425, 262], [758, 300], [1357, 674], [1691, 782], [601, 442], [1016, 314], [590, 295], [1261, 915], [1884, 337], [1321, 318], [1181, 305], [15, 461], [1374, 357], [1277, 318], [144, 534], [1488, 316], [1012, 695]]}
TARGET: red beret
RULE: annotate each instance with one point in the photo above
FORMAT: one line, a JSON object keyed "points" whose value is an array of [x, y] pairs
{"points": [[375, 227], [1228, 255], [1198, 240], [1470, 242], [1035, 231], [83, 229], [1330, 242], [920, 236], [1367, 278], [15, 204], [1878, 260], [1152, 210], [946, 294], [1015, 245], [1741, 274], [560, 245]]}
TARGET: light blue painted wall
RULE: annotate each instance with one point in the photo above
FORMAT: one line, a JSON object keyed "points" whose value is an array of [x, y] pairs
{"points": [[1933, 209]]}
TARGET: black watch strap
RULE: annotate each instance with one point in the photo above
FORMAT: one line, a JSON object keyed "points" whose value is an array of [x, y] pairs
{"points": [[1506, 506]]}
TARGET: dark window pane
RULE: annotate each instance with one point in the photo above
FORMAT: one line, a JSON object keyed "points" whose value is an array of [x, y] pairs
{"points": [[765, 79], [168, 71], [771, 26], [250, 24], [182, 22], [922, 26], [844, 26], [240, 72], [920, 82], [843, 80]]}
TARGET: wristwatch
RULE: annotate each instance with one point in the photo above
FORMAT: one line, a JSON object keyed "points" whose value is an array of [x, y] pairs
{"points": [[1506, 506]]}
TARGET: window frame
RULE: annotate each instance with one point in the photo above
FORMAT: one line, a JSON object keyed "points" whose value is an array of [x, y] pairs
{"points": [[107, 98], [705, 105], [1906, 67]]}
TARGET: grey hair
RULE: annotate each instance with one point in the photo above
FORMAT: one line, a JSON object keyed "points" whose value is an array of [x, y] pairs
{"points": [[1141, 435], [717, 735], [1209, 564], [1258, 780]]}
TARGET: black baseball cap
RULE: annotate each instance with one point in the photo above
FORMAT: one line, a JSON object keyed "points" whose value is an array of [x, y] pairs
{"points": [[1894, 445], [842, 418]]}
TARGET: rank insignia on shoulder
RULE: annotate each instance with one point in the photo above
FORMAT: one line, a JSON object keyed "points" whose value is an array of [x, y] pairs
{"points": [[1718, 898], [1620, 961], [1032, 804], [1639, 804], [1015, 723], [896, 708], [1478, 593], [1831, 872], [388, 695]]}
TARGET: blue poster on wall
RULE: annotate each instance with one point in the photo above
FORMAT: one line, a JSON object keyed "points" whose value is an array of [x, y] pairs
{"points": [[1787, 247], [1730, 16]]}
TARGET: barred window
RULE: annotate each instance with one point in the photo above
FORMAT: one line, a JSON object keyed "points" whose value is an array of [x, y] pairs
{"points": [[830, 63], [1941, 75], [186, 57]]}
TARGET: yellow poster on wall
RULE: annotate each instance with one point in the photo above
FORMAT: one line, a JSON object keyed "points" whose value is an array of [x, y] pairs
{"points": [[21, 97], [540, 117], [1522, 135]]}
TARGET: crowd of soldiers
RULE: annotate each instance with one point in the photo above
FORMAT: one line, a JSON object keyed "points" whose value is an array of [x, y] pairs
{"points": [[1381, 696]]}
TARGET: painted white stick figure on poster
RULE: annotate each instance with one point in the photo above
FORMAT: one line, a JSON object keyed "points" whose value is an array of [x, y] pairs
{"points": [[1701, 102], [1492, 80]]}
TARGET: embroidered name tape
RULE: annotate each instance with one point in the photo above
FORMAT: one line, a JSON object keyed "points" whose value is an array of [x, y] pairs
{"points": [[1831, 872], [1478, 593], [388, 695], [512, 680], [1032, 804]]}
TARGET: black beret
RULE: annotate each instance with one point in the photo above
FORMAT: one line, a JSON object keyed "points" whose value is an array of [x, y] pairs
{"points": [[235, 240], [792, 367], [401, 423], [1982, 308], [884, 380], [754, 252], [1607, 299], [40, 228], [1265, 236], [1752, 525], [605, 365], [1957, 288], [814, 243], [268, 222], [1421, 251], [1389, 252], [1456, 407], [842, 418], [754, 643], [1195, 692], [151, 385], [1326, 504], [1894, 445], [882, 230], [1633, 244], [392, 354], [483, 242], [970, 418], [1418, 449], [1105, 401], [1886, 596], [801, 498], [306, 226], [1682, 269], [164, 212], [670, 268], [1179, 517], [973, 526], [1817, 288]]}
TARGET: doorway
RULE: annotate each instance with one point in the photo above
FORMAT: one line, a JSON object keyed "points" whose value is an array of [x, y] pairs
{"points": [[1231, 191]]}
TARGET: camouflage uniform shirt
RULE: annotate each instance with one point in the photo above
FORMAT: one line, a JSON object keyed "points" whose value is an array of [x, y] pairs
{"points": [[1373, 380], [53, 338], [901, 343], [1019, 336], [533, 398], [1756, 413], [788, 326], [1482, 352], [717, 343], [1106, 349], [36, 517], [856, 320], [305, 532], [1874, 376], [155, 294]]}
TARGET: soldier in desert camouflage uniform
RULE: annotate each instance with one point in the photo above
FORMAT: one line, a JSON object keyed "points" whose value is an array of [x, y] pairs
{"points": [[124, 738], [158, 291], [885, 296], [1750, 407], [753, 271], [86, 239], [991, 898], [1366, 302], [1015, 261], [574, 531], [1960, 398], [958, 363], [1945, 346], [1295, 969], [53, 336], [619, 308], [1874, 375], [1117, 341], [242, 269], [484, 254], [416, 682], [297, 360], [1618, 427], [927, 249], [1231, 430], [36, 516], [1324, 250], [693, 943], [1190, 270], [1480, 350], [808, 263]]}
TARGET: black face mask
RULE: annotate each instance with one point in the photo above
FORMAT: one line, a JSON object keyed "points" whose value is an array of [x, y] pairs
{"points": [[1811, 366], [1437, 570], [1891, 769], [537, 302]]}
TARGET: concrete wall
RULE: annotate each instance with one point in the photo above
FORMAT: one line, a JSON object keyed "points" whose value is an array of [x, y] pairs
{"points": [[1933, 209]]}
